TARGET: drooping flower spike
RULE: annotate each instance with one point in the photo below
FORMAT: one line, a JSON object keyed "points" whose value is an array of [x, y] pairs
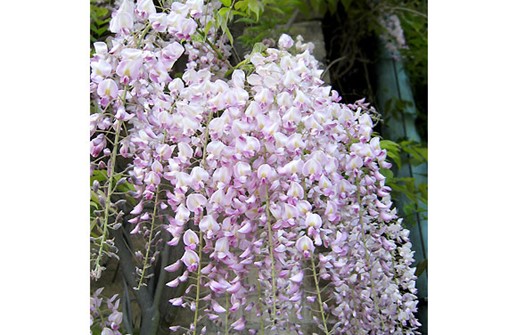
{"points": [[271, 187]]}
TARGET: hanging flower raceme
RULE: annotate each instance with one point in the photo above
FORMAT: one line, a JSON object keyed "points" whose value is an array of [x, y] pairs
{"points": [[271, 187]]}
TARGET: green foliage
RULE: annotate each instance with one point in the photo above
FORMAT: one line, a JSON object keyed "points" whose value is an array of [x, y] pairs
{"points": [[421, 267], [407, 189], [393, 151], [265, 19], [250, 7], [99, 22]]}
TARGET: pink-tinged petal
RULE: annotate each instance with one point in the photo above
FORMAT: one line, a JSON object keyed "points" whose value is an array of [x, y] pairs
{"points": [[281, 248], [331, 211], [292, 167], [297, 278], [173, 267], [246, 253], [176, 301], [171, 53], [285, 42], [238, 78], [312, 167], [97, 145], [185, 151], [235, 306], [199, 174], [190, 239], [240, 324], [129, 69], [144, 8], [234, 288], [174, 328], [196, 202], [107, 89], [183, 278], [313, 220], [209, 226], [107, 331], [290, 212], [246, 228], [295, 191], [242, 170], [101, 48], [207, 269], [123, 21], [135, 230], [219, 286], [190, 259], [217, 308], [158, 22], [295, 298], [116, 316], [305, 245], [222, 246], [173, 283], [265, 172], [264, 97]]}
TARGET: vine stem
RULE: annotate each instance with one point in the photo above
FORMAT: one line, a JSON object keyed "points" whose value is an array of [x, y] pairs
{"points": [[148, 250], [271, 254], [318, 292], [110, 174], [108, 197], [227, 305], [144, 32], [198, 279], [259, 292]]}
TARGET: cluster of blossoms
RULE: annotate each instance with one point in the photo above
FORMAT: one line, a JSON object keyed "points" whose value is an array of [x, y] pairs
{"points": [[272, 187], [393, 36], [111, 324]]}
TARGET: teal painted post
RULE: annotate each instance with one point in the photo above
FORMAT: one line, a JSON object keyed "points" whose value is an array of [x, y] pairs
{"points": [[393, 84]]}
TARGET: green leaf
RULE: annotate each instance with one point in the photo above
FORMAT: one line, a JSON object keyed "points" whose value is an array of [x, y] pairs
{"points": [[417, 151], [393, 151], [228, 34], [256, 7], [245, 20], [259, 47], [332, 4], [387, 173], [226, 3], [223, 11], [99, 175], [241, 5], [346, 4], [208, 25], [422, 189], [198, 38], [239, 13], [421, 267]]}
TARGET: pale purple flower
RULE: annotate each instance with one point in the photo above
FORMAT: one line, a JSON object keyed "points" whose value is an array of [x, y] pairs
{"points": [[305, 246], [122, 22], [190, 239], [107, 90], [144, 8], [191, 260]]}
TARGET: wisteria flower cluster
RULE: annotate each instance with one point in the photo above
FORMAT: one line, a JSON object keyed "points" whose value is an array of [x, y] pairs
{"points": [[108, 313], [393, 36], [270, 185]]}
